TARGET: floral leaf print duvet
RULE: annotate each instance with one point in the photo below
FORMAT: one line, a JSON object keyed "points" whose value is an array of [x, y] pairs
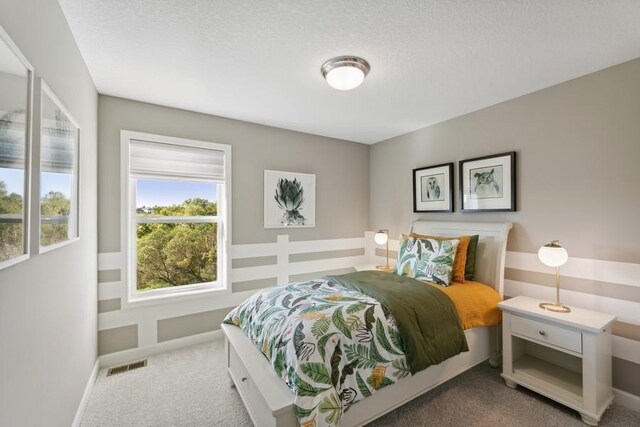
{"points": [[332, 344]]}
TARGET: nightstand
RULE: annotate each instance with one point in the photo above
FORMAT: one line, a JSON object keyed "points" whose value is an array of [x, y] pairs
{"points": [[564, 356]]}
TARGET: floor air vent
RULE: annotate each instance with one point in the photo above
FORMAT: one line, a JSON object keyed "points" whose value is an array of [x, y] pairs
{"points": [[126, 368]]}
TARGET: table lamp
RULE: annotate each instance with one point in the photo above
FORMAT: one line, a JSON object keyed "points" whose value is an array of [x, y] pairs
{"points": [[382, 237], [554, 255]]}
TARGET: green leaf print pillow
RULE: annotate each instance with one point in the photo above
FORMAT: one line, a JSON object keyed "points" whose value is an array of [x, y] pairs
{"points": [[427, 259]]}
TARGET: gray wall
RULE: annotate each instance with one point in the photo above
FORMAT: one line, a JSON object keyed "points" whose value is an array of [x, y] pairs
{"points": [[342, 206], [578, 180], [341, 168], [48, 343], [578, 148]]}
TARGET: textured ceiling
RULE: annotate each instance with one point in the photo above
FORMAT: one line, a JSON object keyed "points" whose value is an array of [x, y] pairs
{"points": [[260, 61]]}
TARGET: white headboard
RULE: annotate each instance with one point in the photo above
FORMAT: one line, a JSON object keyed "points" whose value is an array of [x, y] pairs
{"points": [[492, 245]]}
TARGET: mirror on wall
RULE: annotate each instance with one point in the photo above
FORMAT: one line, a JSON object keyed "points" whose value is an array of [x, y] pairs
{"points": [[16, 83], [59, 139]]}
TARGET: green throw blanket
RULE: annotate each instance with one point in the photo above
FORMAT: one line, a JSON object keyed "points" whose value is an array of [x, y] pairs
{"points": [[427, 318]]}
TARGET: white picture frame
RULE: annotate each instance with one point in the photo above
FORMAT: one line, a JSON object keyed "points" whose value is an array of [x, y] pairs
{"points": [[289, 199]]}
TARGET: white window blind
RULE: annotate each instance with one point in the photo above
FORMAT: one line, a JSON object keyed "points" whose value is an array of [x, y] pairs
{"points": [[161, 161]]}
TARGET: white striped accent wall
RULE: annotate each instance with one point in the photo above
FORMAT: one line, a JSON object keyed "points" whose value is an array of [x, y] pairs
{"points": [[124, 329], [611, 287]]}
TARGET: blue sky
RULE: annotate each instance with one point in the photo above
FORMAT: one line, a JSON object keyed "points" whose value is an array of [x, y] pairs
{"points": [[163, 193], [50, 182], [150, 192]]}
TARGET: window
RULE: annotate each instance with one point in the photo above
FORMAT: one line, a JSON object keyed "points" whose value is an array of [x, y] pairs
{"points": [[59, 139], [16, 82], [175, 215]]}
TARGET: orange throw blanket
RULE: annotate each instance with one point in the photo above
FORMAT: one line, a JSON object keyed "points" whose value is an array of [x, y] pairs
{"points": [[476, 302]]}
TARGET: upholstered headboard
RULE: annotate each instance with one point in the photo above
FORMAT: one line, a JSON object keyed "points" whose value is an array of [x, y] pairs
{"points": [[492, 245]]}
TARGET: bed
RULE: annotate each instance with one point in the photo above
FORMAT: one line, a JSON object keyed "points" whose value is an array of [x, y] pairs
{"points": [[269, 400]]}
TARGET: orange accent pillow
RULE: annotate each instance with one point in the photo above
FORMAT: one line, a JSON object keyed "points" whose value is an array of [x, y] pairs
{"points": [[461, 254]]}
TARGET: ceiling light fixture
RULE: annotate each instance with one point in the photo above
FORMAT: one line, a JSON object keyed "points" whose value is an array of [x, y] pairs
{"points": [[345, 72]]}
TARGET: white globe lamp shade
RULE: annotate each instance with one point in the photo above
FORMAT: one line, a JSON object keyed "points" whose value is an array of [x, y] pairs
{"points": [[553, 254], [345, 78], [381, 238], [345, 72]]}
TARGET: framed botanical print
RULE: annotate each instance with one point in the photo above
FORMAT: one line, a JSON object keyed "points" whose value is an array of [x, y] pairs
{"points": [[289, 199], [433, 188], [488, 184]]}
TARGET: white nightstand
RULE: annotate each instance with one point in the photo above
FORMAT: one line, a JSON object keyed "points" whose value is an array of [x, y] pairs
{"points": [[564, 356]]}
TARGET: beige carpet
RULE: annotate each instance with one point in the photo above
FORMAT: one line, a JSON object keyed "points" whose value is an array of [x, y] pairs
{"points": [[190, 387]]}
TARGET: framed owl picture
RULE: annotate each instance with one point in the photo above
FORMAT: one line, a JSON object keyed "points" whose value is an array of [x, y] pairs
{"points": [[433, 188], [488, 184]]}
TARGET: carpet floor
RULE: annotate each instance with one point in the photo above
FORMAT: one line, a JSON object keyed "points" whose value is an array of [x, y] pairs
{"points": [[190, 387]]}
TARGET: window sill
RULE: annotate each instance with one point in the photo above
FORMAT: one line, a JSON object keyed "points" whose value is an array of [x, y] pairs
{"points": [[13, 261], [172, 296], [45, 249]]}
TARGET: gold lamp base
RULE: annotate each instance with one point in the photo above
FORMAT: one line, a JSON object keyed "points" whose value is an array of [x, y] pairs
{"points": [[558, 308], [384, 268]]}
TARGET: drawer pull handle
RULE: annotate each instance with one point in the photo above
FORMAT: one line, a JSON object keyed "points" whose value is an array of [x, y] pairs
{"points": [[543, 333], [244, 379]]}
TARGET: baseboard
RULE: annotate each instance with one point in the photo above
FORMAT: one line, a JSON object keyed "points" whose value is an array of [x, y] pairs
{"points": [[126, 356], [626, 399], [85, 396]]}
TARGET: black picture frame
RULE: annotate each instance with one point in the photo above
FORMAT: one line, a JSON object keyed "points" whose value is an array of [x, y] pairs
{"points": [[436, 192], [484, 190]]}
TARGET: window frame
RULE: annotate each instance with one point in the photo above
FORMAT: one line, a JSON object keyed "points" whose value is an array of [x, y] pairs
{"points": [[28, 146], [74, 215], [129, 222]]}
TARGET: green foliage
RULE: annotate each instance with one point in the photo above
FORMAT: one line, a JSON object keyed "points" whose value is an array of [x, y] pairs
{"points": [[303, 388], [289, 194], [10, 233], [382, 339], [401, 369], [340, 323], [279, 362], [356, 307], [177, 254], [362, 386], [321, 327], [322, 342], [359, 354], [317, 372], [383, 383], [332, 406], [301, 412], [9, 203], [335, 365], [54, 204]]}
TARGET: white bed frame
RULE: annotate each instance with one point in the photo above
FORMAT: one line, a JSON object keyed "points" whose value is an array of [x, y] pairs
{"points": [[270, 402]]}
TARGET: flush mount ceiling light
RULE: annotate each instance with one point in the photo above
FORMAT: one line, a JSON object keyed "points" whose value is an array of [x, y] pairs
{"points": [[345, 72]]}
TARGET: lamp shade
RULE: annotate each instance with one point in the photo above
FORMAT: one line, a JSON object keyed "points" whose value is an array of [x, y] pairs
{"points": [[345, 78], [345, 72], [553, 255], [381, 237]]}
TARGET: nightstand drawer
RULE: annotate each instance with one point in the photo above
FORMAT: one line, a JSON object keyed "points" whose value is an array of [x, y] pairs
{"points": [[546, 333]]}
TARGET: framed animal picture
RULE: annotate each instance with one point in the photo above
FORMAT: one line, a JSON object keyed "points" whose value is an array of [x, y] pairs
{"points": [[488, 184], [433, 188]]}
